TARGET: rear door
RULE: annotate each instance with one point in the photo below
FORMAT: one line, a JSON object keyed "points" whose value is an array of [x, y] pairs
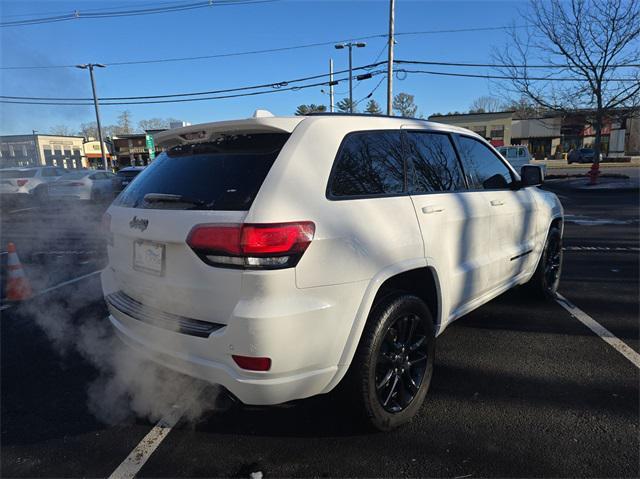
{"points": [[512, 210], [212, 183], [454, 224]]}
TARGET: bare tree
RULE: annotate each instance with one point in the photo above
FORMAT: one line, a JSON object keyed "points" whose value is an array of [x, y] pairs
{"points": [[61, 130], [404, 105], [124, 123], [153, 124], [590, 55], [486, 104]]}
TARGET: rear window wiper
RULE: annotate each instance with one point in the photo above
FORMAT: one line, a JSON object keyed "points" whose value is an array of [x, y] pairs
{"points": [[170, 198]]}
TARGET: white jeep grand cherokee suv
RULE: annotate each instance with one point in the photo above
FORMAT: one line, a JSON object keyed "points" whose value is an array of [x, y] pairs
{"points": [[281, 256]]}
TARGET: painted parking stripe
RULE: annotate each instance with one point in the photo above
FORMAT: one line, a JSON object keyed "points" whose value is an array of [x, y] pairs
{"points": [[600, 330], [145, 448], [602, 248], [53, 288], [66, 283]]}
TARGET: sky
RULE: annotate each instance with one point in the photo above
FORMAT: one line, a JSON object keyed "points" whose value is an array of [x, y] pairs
{"points": [[235, 28]]}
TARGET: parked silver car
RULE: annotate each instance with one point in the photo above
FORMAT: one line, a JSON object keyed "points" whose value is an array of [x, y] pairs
{"points": [[84, 185], [28, 182]]}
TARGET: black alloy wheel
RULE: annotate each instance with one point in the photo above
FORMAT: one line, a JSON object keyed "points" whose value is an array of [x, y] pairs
{"points": [[401, 364]]}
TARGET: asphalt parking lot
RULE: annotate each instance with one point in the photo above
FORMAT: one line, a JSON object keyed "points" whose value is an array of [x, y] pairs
{"points": [[521, 388]]}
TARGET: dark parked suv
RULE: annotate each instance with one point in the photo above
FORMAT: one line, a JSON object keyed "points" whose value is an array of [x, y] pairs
{"points": [[124, 177]]}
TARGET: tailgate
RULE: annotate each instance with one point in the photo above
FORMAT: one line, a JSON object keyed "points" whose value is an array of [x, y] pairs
{"points": [[153, 264]]}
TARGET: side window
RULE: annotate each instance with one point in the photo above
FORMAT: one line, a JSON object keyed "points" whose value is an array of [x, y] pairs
{"points": [[369, 164], [484, 169], [95, 176], [46, 172], [434, 163]]}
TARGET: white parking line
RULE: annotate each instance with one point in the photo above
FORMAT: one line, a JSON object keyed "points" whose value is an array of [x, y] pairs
{"points": [[21, 210], [66, 283], [600, 330], [52, 288], [141, 453]]}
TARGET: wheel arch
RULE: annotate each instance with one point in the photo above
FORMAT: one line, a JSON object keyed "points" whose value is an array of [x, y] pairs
{"points": [[404, 277]]}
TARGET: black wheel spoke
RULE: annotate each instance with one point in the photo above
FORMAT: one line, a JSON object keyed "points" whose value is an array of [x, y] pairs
{"points": [[418, 360], [412, 328], [391, 391], [385, 380], [418, 343]]}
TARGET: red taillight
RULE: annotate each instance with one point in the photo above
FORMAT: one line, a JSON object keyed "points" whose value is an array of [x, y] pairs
{"points": [[22, 182], [218, 238], [251, 363], [258, 246], [280, 238]]}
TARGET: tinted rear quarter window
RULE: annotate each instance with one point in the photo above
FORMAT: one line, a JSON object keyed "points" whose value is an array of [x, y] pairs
{"points": [[368, 164], [224, 174], [434, 164], [485, 171]]}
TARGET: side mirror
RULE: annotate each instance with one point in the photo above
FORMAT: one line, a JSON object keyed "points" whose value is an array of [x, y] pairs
{"points": [[531, 175]]}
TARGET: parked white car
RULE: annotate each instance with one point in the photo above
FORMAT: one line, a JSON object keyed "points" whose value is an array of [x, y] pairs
{"points": [[28, 182], [279, 256], [84, 185]]}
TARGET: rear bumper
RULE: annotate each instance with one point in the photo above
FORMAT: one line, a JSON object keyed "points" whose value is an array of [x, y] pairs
{"points": [[304, 334], [264, 390]]}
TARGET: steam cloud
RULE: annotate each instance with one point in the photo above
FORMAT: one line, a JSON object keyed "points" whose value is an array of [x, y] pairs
{"points": [[128, 383]]}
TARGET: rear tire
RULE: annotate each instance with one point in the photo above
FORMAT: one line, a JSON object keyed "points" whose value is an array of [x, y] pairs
{"points": [[545, 281], [391, 371]]}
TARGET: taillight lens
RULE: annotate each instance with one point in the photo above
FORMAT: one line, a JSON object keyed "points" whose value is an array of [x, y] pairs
{"points": [[22, 182], [252, 246]]}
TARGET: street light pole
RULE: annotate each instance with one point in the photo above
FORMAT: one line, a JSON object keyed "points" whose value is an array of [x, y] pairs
{"points": [[350, 46], [90, 67], [350, 78], [331, 85], [390, 58]]}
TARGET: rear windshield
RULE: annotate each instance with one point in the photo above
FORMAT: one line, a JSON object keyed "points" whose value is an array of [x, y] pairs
{"points": [[224, 174], [18, 173]]}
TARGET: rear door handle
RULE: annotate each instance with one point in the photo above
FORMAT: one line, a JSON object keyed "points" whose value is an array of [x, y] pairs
{"points": [[497, 202], [431, 209]]}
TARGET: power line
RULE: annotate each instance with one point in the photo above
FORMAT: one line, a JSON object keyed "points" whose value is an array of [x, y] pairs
{"points": [[275, 85], [507, 77], [15, 15], [249, 52], [183, 100], [88, 14], [494, 65]]}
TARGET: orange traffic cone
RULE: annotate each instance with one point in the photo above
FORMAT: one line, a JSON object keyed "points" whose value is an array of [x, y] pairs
{"points": [[18, 287]]}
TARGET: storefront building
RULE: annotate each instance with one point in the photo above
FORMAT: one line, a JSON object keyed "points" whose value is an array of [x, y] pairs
{"points": [[42, 150]]}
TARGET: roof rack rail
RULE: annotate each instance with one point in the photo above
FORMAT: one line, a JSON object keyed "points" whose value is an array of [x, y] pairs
{"points": [[375, 115]]}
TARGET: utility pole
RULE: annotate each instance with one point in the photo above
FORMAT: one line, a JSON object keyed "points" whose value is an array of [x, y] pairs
{"points": [[390, 58], [331, 85], [350, 46], [35, 142], [91, 66]]}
